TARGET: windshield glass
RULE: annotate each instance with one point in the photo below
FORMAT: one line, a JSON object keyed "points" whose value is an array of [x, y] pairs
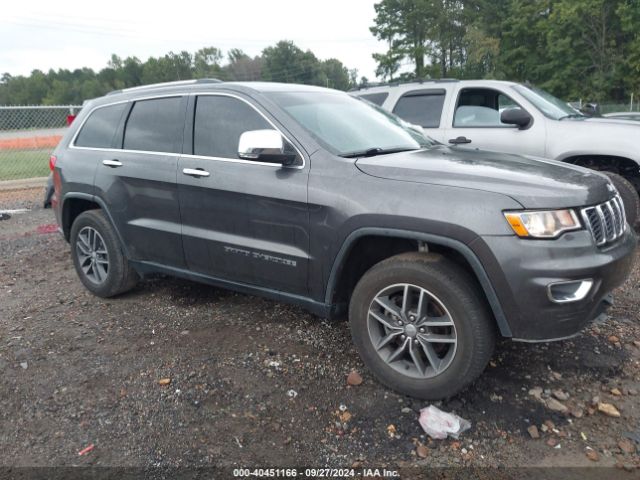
{"points": [[414, 130], [549, 105], [343, 125]]}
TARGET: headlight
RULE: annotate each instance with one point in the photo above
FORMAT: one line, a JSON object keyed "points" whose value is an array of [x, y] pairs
{"points": [[542, 224]]}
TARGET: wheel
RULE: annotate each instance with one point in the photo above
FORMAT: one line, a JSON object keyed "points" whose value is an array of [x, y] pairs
{"points": [[629, 196], [97, 256], [421, 325]]}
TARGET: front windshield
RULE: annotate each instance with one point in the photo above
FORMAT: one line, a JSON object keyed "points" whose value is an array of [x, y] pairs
{"points": [[343, 125], [549, 105], [414, 130]]}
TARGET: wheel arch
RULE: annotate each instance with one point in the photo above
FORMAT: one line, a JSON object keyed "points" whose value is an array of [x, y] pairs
{"points": [[74, 203], [417, 239]]}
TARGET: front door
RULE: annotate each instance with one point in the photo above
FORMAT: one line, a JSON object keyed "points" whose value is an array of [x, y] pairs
{"points": [[242, 221], [476, 124]]}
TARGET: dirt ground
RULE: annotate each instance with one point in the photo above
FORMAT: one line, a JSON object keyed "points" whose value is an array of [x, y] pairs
{"points": [[256, 383]]}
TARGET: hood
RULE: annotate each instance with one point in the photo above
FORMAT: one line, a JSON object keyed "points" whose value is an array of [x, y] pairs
{"points": [[532, 182], [604, 121]]}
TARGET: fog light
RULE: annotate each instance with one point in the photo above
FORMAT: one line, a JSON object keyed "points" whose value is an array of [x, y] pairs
{"points": [[571, 291]]}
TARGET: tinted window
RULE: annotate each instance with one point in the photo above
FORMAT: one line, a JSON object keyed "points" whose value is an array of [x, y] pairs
{"points": [[421, 109], [219, 122], [100, 127], [377, 98], [155, 126]]}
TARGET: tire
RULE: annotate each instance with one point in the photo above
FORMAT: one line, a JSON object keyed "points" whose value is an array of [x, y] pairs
{"points": [[451, 291], [629, 196], [118, 276]]}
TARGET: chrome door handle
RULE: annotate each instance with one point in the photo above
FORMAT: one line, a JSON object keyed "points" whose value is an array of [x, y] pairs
{"points": [[195, 172], [112, 163]]}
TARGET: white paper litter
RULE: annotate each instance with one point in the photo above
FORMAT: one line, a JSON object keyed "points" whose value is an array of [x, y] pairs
{"points": [[438, 424]]}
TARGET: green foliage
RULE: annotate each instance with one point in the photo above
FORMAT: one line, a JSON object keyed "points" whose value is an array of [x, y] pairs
{"points": [[586, 49], [283, 62]]}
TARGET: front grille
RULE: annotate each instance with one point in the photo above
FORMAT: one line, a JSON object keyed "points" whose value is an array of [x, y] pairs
{"points": [[607, 221]]}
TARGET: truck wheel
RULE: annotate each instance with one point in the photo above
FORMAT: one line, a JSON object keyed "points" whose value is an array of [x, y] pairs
{"points": [[97, 256], [629, 196], [421, 325]]}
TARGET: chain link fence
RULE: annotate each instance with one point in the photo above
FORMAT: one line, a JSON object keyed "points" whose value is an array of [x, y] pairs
{"points": [[28, 135]]}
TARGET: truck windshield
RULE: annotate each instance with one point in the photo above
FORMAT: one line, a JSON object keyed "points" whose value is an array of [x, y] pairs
{"points": [[549, 105], [346, 126]]}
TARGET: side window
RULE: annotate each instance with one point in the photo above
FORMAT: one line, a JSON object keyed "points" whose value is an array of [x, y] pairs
{"points": [[100, 127], [423, 108], [155, 125], [481, 107], [377, 98], [219, 122]]}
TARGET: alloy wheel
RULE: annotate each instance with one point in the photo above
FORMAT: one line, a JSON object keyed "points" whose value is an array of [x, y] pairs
{"points": [[412, 331]]}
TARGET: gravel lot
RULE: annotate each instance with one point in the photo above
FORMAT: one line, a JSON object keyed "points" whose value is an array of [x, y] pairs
{"points": [[256, 383]]}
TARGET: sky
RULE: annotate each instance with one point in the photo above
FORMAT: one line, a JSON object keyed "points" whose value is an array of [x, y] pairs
{"points": [[37, 34]]}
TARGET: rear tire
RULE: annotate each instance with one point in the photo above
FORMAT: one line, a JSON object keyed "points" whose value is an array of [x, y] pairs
{"points": [[97, 256], [630, 197], [453, 303]]}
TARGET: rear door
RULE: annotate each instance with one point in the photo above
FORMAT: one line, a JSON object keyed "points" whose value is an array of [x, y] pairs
{"points": [[138, 180], [242, 221], [476, 123]]}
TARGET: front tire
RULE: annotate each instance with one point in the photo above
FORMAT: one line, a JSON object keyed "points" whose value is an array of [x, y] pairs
{"points": [[421, 325], [97, 256]]}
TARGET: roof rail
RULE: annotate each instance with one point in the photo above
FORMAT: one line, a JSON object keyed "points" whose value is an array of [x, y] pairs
{"points": [[166, 84], [397, 83]]}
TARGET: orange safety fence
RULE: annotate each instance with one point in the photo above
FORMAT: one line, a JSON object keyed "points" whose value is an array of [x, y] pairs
{"points": [[30, 143]]}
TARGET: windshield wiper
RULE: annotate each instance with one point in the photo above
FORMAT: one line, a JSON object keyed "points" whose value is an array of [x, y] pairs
{"points": [[372, 152]]}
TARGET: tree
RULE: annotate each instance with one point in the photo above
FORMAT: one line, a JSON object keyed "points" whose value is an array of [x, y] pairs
{"points": [[285, 62]]}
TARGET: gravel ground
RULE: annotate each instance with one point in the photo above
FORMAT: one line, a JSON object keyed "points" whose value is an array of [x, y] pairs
{"points": [[256, 383]]}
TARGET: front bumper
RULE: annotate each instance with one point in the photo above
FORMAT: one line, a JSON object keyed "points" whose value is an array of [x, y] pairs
{"points": [[521, 271]]}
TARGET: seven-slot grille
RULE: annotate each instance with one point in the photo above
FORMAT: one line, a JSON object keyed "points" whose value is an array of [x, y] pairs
{"points": [[607, 221]]}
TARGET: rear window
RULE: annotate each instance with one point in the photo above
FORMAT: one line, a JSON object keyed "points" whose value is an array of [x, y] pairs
{"points": [[155, 126], [99, 129], [377, 98], [423, 109]]}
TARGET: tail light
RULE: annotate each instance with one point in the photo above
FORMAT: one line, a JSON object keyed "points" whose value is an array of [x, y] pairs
{"points": [[52, 162], [70, 119]]}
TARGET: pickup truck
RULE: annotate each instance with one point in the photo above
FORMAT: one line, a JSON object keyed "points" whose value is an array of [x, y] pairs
{"points": [[516, 118]]}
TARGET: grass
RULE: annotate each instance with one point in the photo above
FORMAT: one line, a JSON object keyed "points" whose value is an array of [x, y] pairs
{"points": [[19, 164]]}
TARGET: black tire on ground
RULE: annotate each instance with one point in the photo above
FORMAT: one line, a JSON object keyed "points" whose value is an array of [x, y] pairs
{"points": [[457, 292], [120, 276], [629, 195]]}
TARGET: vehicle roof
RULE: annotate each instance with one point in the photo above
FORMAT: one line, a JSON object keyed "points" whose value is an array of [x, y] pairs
{"points": [[428, 83], [205, 85]]}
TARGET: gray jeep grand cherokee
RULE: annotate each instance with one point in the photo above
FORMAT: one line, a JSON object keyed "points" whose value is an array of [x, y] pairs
{"points": [[309, 196]]}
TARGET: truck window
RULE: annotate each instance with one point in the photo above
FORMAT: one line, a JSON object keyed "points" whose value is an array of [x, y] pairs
{"points": [[377, 98], [155, 126], [423, 108], [481, 107], [100, 127]]}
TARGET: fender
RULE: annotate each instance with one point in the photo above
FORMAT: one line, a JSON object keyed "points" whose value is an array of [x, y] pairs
{"points": [[456, 245], [103, 206]]}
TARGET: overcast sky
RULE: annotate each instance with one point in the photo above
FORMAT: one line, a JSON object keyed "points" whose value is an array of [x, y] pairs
{"points": [[37, 34]]}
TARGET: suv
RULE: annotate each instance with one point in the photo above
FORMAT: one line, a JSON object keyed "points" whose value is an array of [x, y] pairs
{"points": [[521, 119], [309, 196]]}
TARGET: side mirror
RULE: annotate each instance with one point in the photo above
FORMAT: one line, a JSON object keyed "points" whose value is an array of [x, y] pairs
{"points": [[516, 116], [266, 146]]}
